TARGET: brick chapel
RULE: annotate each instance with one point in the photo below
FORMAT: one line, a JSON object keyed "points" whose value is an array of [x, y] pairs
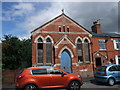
{"points": [[65, 44]]}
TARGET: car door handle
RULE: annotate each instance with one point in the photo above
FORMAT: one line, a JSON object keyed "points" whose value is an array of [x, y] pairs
{"points": [[34, 77], [52, 77]]}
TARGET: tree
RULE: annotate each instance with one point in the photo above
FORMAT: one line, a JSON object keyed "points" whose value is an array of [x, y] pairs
{"points": [[26, 53], [16, 53]]}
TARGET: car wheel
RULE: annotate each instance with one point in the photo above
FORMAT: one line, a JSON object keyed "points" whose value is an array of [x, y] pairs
{"points": [[74, 85], [30, 87], [111, 81]]}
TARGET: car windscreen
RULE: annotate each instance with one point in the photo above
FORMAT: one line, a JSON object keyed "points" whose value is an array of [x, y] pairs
{"points": [[103, 68]]}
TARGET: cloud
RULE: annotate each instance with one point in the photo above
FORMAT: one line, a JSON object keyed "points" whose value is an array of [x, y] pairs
{"points": [[33, 15], [43, 16], [17, 10], [82, 12], [86, 13], [23, 9]]}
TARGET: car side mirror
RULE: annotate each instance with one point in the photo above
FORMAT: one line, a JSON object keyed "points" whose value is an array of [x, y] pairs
{"points": [[63, 74]]}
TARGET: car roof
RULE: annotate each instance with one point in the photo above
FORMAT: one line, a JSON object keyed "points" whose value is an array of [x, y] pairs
{"points": [[39, 67], [111, 65]]}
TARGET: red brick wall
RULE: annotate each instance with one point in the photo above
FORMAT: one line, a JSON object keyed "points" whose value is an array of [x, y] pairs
{"points": [[56, 37], [52, 29], [110, 52]]}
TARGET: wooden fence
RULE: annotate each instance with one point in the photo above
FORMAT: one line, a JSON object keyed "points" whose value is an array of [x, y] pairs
{"points": [[9, 76]]}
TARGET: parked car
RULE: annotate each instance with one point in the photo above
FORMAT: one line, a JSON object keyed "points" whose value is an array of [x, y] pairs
{"points": [[47, 77], [109, 74]]}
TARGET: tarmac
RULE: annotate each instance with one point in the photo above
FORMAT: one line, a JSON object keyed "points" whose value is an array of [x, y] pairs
{"points": [[13, 85]]}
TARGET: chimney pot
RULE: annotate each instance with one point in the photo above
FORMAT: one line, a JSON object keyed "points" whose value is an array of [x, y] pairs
{"points": [[96, 26]]}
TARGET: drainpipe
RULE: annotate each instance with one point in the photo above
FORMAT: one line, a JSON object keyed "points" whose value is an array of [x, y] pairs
{"points": [[92, 55], [106, 40]]}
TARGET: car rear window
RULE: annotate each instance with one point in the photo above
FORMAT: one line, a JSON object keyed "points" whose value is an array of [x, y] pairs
{"points": [[118, 67], [21, 71], [103, 68]]}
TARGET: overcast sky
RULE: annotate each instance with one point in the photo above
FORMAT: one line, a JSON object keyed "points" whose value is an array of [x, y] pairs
{"points": [[20, 18]]}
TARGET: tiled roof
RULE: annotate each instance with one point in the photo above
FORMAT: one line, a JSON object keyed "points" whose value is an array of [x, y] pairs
{"points": [[106, 35]]}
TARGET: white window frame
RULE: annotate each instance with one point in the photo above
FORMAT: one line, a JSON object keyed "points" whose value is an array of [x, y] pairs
{"points": [[116, 59], [115, 45], [104, 44]]}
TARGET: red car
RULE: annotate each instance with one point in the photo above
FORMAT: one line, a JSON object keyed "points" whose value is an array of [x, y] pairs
{"points": [[47, 77]]}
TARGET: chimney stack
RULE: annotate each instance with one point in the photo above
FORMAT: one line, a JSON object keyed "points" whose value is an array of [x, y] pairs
{"points": [[96, 27]]}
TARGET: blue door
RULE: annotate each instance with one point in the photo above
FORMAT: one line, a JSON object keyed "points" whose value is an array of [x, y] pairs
{"points": [[66, 61]]}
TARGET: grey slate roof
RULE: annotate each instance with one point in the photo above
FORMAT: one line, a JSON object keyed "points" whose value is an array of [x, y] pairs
{"points": [[106, 35]]}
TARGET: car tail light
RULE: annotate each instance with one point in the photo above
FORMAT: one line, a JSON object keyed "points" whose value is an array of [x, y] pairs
{"points": [[19, 77], [104, 74]]}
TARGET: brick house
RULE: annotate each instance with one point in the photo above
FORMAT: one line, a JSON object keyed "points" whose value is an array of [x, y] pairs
{"points": [[65, 44]]}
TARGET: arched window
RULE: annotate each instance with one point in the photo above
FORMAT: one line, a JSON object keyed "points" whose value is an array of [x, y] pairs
{"points": [[63, 28], [68, 29], [48, 51], [87, 50], [40, 50], [79, 48], [59, 28]]}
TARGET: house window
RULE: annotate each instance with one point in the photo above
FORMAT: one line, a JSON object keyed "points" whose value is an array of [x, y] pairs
{"points": [[102, 44], [68, 29], [63, 28], [40, 50], [79, 47], [87, 51], [59, 28], [117, 59], [48, 51], [117, 44]]}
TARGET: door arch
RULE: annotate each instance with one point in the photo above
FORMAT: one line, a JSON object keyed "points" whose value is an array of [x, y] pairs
{"points": [[66, 63]]}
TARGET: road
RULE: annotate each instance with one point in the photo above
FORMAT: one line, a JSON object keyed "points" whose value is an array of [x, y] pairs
{"points": [[89, 84]]}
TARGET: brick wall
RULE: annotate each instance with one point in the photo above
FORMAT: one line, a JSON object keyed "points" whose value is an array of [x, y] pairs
{"points": [[75, 31], [105, 55]]}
